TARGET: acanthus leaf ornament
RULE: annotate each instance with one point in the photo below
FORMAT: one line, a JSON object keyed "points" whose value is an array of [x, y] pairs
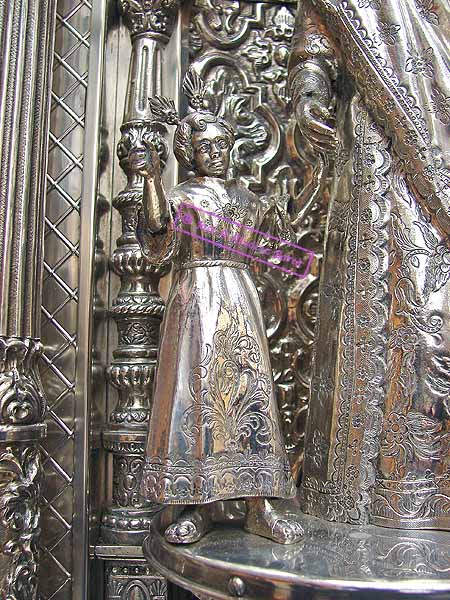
{"points": [[20, 474], [21, 396], [149, 16]]}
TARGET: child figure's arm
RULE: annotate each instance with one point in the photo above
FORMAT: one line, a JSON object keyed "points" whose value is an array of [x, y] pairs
{"points": [[155, 230]]}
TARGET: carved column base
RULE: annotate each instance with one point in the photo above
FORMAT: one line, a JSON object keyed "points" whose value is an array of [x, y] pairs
{"points": [[133, 580], [127, 520]]}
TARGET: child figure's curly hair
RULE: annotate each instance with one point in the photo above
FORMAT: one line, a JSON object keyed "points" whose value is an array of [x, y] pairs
{"points": [[196, 121]]}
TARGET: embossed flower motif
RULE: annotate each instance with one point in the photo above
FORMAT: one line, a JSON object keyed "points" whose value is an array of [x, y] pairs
{"points": [[364, 372], [370, 183], [427, 11], [369, 159], [351, 474], [397, 428], [410, 437], [233, 211], [361, 392], [136, 334], [404, 338], [420, 63], [440, 105], [365, 343], [354, 447], [322, 386], [348, 502], [319, 448], [388, 33], [438, 269], [442, 254]]}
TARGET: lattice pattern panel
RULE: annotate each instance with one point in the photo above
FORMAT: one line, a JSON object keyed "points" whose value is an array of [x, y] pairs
{"points": [[60, 292]]}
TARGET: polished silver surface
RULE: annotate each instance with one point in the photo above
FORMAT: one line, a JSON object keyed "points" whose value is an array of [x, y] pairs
{"points": [[215, 431], [61, 548], [332, 562], [87, 474], [369, 80], [241, 53], [137, 310], [27, 34]]}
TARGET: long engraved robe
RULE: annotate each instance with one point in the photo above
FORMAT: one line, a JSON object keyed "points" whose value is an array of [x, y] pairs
{"points": [[378, 441], [215, 429]]}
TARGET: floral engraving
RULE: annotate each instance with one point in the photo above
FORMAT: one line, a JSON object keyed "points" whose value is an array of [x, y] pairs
{"points": [[440, 105], [230, 391], [412, 436], [427, 10], [420, 62], [388, 33]]}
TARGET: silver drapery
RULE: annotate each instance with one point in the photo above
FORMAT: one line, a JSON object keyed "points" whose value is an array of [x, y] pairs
{"points": [[378, 440], [215, 431]]}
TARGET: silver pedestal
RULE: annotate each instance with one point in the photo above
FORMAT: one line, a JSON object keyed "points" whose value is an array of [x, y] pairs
{"points": [[333, 562]]}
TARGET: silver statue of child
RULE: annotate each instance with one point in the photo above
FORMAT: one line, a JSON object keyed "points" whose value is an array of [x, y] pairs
{"points": [[215, 431]]}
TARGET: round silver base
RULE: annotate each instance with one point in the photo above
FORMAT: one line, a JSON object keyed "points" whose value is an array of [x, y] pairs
{"points": [[332, 562]]}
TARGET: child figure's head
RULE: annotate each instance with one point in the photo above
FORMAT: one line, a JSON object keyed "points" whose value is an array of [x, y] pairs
{"points": [[203, 143]]}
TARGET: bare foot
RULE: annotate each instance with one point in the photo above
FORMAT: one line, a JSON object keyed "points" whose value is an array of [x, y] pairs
{"points": [[190, 526], [264, 520]]}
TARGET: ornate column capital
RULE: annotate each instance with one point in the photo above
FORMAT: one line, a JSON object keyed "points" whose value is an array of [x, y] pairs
{"points": [[150, 16]]}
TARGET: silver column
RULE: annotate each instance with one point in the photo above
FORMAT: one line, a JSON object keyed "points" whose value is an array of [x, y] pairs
{"points": [[138, 308], [27, 31]]}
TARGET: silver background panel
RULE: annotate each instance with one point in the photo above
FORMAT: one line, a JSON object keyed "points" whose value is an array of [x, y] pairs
{"points": [[61, 293]]}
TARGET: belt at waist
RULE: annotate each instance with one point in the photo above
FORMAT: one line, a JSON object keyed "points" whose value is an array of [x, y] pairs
{"points": [[221, 262]]}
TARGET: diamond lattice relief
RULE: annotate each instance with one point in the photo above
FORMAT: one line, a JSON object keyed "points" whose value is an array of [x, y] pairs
{"points": [[60, 291]]}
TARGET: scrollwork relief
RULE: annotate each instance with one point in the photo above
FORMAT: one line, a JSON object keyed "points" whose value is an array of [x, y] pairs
{"points": [[21, 396], [20, 481]]}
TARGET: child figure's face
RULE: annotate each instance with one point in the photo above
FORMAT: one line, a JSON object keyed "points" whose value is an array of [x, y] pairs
{"points": [[211, 151]]}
